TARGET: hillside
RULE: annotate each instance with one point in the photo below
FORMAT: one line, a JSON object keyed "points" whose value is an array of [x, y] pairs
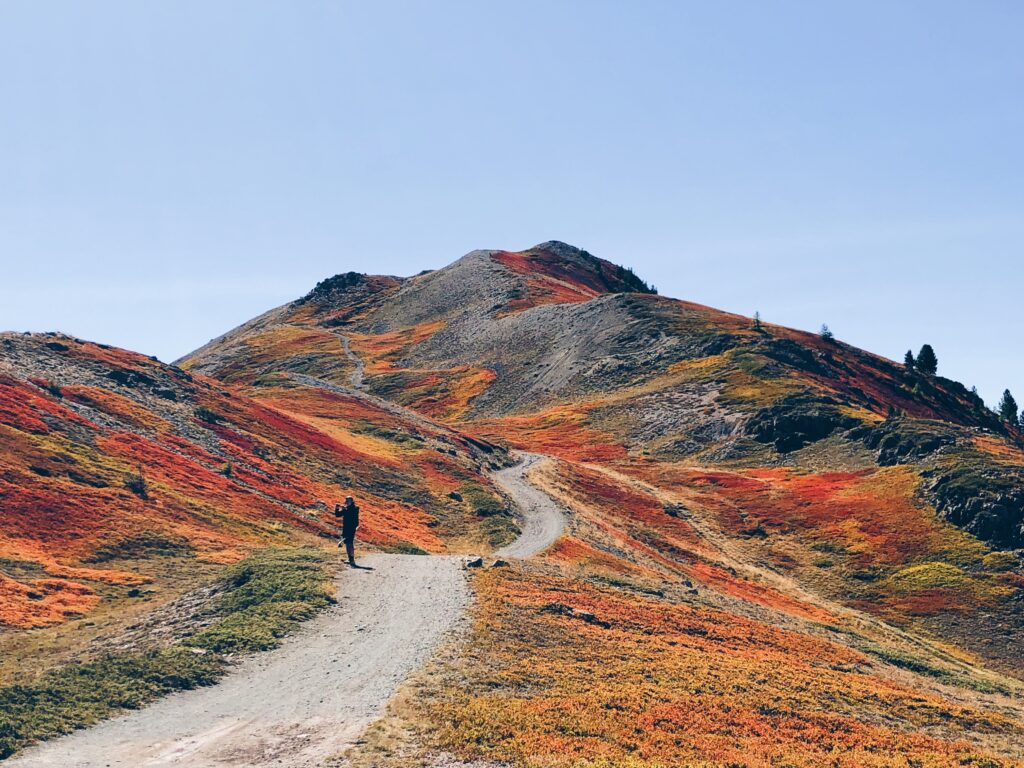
{"points": [[126, 484], [810, 552]]}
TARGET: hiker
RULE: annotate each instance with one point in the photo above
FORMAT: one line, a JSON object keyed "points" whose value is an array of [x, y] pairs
{"points": [[349, 515]]}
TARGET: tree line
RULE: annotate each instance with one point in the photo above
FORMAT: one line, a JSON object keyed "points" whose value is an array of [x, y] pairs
{"points": [[927, 362]]}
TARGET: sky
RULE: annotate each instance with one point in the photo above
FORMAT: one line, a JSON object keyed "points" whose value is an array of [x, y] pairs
{"points": [[170, 169]]}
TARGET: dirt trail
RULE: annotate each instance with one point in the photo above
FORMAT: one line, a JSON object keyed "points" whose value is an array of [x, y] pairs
{"points": [[311, 698], [542, 519], [356, 378]]}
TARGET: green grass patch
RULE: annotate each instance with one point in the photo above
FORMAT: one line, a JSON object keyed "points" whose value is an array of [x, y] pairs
{"points": [[484, 502], [904, 660], [404, 548], [142, 545], [404, 439], [81, 694], [264, 597], [267, 594], [1000, 562], [931, 575], [499, 530]]}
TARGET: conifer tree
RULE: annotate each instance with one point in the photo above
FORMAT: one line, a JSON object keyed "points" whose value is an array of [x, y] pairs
{"points": [[826, 333], [908, 361], [1008, 408], [927, 362]]}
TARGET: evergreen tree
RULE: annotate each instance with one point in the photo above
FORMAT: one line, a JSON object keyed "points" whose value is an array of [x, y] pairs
{"points": [[908, 361], [1008, 408], [826, 333], [927, 362], [757, 321]]}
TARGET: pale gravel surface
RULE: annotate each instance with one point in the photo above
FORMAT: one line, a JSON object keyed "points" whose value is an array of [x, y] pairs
{"points": [[356, 379], [311, 698], [542, 520]]}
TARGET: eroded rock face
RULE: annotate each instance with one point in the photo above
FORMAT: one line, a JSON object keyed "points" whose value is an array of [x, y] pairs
{"points": [[796, 421], [986, 503], [904, 441]]}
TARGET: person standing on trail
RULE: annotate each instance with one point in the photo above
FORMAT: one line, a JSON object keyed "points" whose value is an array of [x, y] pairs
{"points": [[349, 515]]}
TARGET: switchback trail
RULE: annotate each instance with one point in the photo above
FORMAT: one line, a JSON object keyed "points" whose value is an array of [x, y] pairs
{"points": [[312, 697]]}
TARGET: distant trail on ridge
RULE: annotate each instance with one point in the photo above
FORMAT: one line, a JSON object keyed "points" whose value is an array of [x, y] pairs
{"points": [[356, 379]]}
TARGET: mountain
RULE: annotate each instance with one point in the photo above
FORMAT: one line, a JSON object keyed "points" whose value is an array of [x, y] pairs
{"points": [[781, 549], [509, 341], [783, 476]]}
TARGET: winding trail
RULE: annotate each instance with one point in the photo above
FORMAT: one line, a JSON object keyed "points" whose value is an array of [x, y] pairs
{"points": [[356, 379], [542, 520], [312, 697]]}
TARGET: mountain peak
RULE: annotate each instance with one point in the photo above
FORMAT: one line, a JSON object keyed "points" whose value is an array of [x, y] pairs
{"points": [[561, 262]]}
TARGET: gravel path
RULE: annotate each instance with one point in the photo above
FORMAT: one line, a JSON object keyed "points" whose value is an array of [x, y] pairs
{"points": [[356, 379], [542, 519], [314, 696]]}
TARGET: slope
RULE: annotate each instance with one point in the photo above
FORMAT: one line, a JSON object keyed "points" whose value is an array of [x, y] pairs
{"points": [[126, 484], [763, 474]]}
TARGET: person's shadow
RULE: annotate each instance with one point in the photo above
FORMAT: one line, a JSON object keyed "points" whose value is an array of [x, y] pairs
{"points": [[360, 567]]}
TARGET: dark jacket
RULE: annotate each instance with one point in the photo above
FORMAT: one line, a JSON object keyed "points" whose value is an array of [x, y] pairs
{"points": [[349, 520]]}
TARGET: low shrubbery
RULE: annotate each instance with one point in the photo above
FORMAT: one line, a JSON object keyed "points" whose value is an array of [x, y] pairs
{"points": [[960, 679], [484, 502], [142, 545], [263, 598]]}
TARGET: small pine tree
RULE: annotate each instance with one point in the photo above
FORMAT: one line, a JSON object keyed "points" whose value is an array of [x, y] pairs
{"points": [[1008, 408], [975, 399], [757, 321], [826, 333], [927, 362], [908, 361]]}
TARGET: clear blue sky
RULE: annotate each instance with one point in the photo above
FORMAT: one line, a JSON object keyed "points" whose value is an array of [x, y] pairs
{"points": [[170, 169]]}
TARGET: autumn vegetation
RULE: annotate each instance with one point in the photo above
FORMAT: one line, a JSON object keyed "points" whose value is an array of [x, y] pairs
{"points": [[782, 550]]}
